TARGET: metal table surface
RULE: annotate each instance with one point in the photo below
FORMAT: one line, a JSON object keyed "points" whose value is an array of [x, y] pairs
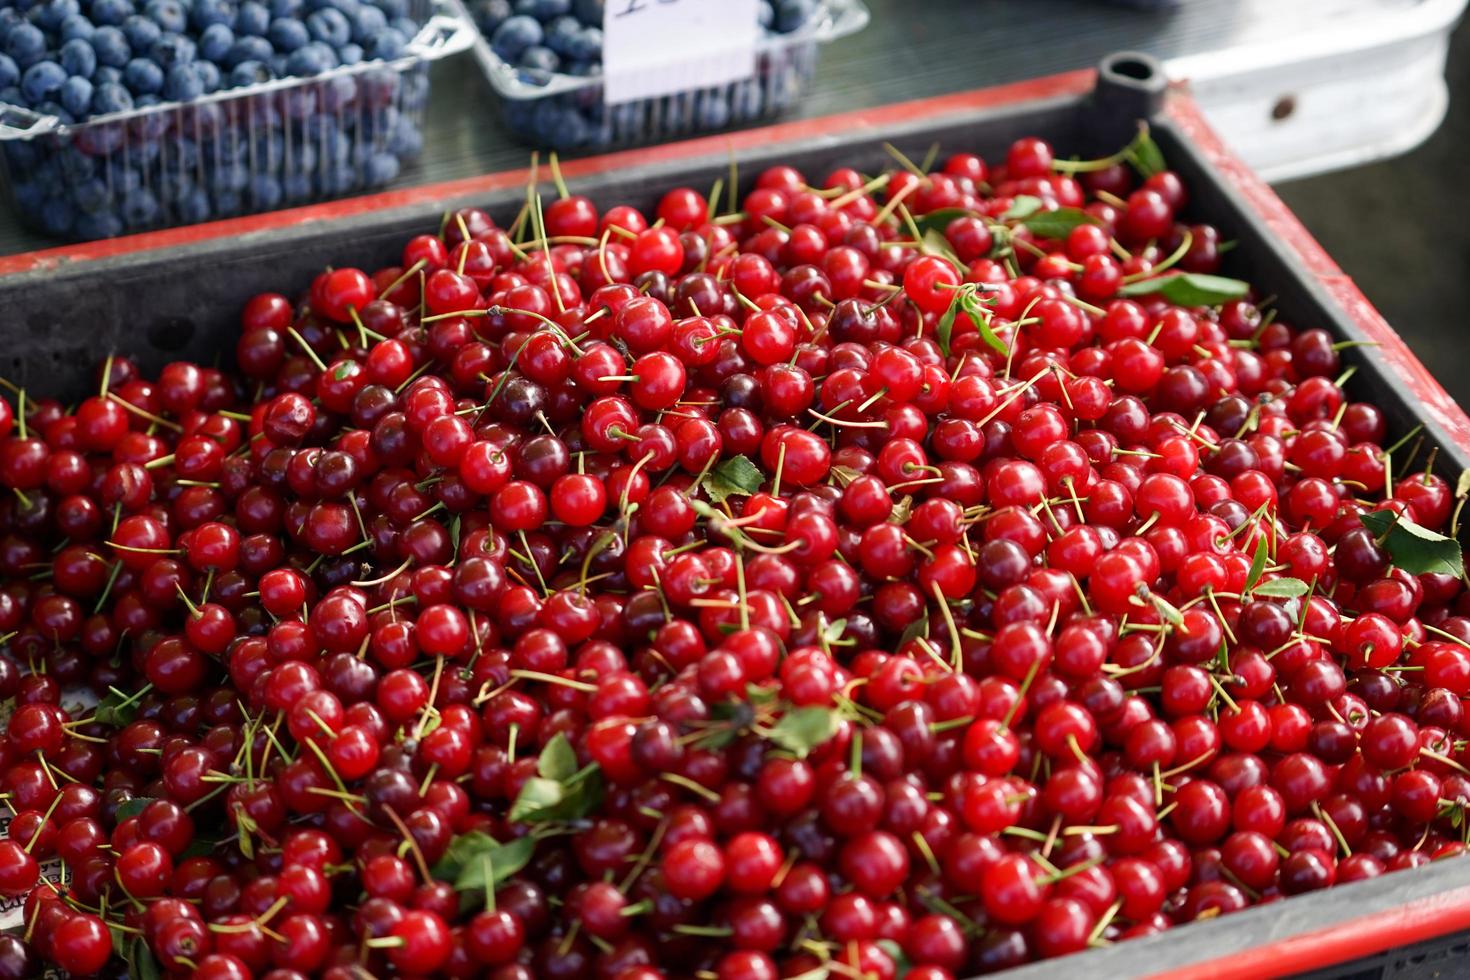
{"points": [[1293, 84]]}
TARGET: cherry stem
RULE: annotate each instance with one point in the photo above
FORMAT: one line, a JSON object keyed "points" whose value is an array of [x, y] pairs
{"points": [[561, 185]]}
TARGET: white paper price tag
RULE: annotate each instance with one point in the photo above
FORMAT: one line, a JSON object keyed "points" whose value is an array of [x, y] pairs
{"points": [[657, 47]]}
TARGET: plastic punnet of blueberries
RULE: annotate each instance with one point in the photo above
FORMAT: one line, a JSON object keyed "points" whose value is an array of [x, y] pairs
{"points": [[536, 42], [157, 156]]}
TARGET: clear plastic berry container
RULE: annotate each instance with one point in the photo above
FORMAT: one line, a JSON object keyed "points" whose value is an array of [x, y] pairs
{"points": [[569, 112], [274, 144]]}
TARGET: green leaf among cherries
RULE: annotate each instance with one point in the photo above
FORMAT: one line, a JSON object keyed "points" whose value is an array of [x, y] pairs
{"points": [[1417, 550], [1022, 206], [133, 807], [1282, 588], [939, 219], [1057, 224], [560, 792], [1258, 564], [1144, 154], [801, 730], [489, 866], [735, 477], [1189, 288], [558, 760], [967, 301], [476, 863], [117, 710]]}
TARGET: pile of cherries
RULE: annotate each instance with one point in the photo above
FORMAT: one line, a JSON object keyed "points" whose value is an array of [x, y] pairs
{"points": [[857, 585]]}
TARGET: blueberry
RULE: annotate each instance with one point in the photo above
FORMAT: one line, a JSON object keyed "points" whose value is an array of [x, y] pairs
{"points": [[539, 59], [127, 180], [73, 164], [209, 75], [230, 177], [143, 77], [286, 35], [366, 23], [253, 18], [296, 187], [249, 73], [543, 10], [404, 25], [249, 48], [587, 45], [193, 207], [26, 44], [57, 216], [100, 224], [341, 6], [302, 160], [338, 92], [214, 42], [277, 64], [78, 58], [793, 14], [558, 125], [340, 180], [112, 47], [182, 83], [91, 195], [77, 27], [406, 142], [141, 32], [139, 208], [173, 185], [9, 71], [227, 203], [588, 12], [76, 96], [107, 73], [311, 59], [54, 108], [765, 15], [389, 44], [111, 13], [287, 8], [713, 112], [380, 168], [204, 14], [208, 117], [168, 14], [265, 193], [42, 81], [172, 49], [51, 13], [585, 69], [559, 34], [351, 54], [330, 27], [490, 14], [513, 37], [393, 8], [10, 95], [747, 102], [111, 97]]}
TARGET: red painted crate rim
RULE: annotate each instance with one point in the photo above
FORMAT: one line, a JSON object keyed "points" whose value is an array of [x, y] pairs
{"points": [[1412, 922]]}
